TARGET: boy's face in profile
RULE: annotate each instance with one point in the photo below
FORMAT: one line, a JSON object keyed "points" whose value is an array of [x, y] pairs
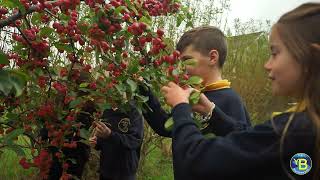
{"points": [[202, 67]]}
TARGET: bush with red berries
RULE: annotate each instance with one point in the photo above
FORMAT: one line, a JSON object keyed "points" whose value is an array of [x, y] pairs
{"points": [[64, 53]]}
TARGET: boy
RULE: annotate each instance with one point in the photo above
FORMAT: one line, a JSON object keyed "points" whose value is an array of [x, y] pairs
{"points": [[208, 46], [119, 138]]}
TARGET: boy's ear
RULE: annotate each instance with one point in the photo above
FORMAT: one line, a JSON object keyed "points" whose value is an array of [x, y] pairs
{"points": [[214, 57]]}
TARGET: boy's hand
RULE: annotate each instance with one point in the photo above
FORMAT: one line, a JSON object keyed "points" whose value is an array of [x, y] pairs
{"points": [[175, 95], [93, 141], [203, 106], [317, 46], [102, 130]]}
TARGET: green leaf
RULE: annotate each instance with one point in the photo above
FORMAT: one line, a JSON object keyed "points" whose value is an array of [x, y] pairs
{"points": [[142, 98], [64, 17], [23, 76], [84, 89], [83, 85], [194, 97], [3, 58], [175, 72], [130, 6], [5, 86], [13, 134], [132, 84], [197, 122], [180, 18], [46, 31], [85, 134], [119, 9], [169, 124], [133, 66], [14, 4], [120, 88], [66, 47], [75, 102], [18, 84], [194, 80], [83, 29], [146, 20], [36, 18], [12, 116], [9, 80], [209, 136], [17, 149]]}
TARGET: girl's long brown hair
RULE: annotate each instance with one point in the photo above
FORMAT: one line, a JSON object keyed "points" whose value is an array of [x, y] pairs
{"points": [[299, 30]]}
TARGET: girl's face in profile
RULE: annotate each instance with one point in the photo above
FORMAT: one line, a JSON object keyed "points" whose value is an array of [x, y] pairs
{"points": [[283, 69]]}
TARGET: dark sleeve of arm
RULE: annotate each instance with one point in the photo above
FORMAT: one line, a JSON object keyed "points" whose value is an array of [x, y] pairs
{"points": [[133, 138], [156, 116], [100, 143], [220, 156], [222, 124]]}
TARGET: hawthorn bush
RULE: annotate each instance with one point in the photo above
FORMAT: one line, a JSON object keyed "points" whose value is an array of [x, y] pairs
{"points": [[62, 54]]}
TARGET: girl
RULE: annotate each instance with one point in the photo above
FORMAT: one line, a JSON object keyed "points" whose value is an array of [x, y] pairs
{"points": [[269, 150]]}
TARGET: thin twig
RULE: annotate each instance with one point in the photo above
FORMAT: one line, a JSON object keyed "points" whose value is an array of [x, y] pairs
{"points": [[74, 56], [47, 70], [24, 37], [50, 13]]}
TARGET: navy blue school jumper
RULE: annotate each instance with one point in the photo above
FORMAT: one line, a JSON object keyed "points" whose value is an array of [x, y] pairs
{"points": [[253, 153], [120, 152]]}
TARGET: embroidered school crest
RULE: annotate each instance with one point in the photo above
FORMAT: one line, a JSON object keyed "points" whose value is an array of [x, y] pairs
{"points": [[124, 124]]}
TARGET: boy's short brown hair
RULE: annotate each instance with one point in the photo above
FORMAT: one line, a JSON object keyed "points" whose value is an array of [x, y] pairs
{"points": [[204, 39]]}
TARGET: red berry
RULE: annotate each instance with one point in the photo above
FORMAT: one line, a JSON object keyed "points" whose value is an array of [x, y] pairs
{"points": [[176, 54], [142, 26], [160, 32], [93, 85], [171, 68], [124, 54], [3, 11], [111, 67], [123, 65]]}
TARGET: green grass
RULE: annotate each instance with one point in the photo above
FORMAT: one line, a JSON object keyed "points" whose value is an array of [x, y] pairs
{"points": [[157, 167]]}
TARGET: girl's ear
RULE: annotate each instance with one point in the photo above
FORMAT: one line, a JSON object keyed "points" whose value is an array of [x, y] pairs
{"points": [[214, 57]]}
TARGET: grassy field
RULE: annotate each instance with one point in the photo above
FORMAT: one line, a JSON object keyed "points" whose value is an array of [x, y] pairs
{"points": [[157, 167]]}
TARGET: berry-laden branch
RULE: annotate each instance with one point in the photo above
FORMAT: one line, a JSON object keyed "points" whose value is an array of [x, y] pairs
{"points": [[18, 15]]}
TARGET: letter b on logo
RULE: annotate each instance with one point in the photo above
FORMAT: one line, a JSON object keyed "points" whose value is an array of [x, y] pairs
{"points": [[301, 163]]}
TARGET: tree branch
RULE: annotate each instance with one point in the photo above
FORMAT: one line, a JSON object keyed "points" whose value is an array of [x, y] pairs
{"points": [[24, 37], [19, 15]]}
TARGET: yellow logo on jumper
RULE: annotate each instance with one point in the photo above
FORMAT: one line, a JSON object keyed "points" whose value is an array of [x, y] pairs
{"points": [[302, 164]]}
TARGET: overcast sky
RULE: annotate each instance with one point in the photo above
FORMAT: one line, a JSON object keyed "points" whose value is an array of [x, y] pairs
{"points": [[262, 9]]}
